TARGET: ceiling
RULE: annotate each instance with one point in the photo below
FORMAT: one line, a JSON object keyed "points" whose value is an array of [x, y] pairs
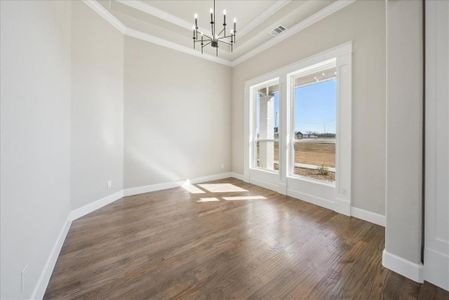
{"points": [[172, 20], [245, 11]]}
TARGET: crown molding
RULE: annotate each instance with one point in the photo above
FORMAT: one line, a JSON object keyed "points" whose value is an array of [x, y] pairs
{"points": [[158, 13], [163, 15], [105, 14], [321, 14], [117, 24], [263, 17]]}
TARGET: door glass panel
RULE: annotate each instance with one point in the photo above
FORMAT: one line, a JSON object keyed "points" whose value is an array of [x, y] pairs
{"points": [[314, 117], [267, 155], [267, 128]]}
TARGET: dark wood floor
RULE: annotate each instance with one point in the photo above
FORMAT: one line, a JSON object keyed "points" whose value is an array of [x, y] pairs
{"points": [[178, 244]]}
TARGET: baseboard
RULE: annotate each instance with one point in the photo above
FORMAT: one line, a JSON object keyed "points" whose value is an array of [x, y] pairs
{"points": [[149, 188], [210, 177], [342, 207], [311, 199], [237, 176], [402, 266], [267, 185], [88, 208], [44, 278], [436, 268], [169, 185], [368, 216]]}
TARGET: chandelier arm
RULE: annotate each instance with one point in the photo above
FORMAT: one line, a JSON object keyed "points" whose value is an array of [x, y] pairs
{"points": [[208, 43], [225, 37], [227, 43], [207, 36], [205, 40]]}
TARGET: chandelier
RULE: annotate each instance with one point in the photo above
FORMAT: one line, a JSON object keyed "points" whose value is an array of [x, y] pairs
{"points": [[215, 39]]}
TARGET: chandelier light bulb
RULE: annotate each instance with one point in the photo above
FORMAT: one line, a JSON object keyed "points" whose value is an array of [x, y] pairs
{"points": [[235, 20], [211, 10], [224, 12], [196, 16]]}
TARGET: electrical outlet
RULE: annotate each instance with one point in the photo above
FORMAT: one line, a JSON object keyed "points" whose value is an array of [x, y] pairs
{"points": [[23, 278], [109, 184]]}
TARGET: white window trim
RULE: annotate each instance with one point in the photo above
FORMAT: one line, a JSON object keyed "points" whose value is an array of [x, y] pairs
{"points": [[253, 138], [291, 77], [334, 196]]}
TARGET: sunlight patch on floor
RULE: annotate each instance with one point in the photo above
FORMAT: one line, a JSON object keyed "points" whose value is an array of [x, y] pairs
{"points": [[221, 187]]}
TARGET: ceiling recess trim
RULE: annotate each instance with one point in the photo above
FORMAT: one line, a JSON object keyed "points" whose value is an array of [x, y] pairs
{"points": [[321, 14], [163, 15], [117, 24], [103, 12], [263, 16], [156, 12]]}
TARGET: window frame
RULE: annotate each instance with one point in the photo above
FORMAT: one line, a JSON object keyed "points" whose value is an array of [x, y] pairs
{"points": [[253, 141], [336, 196], [291, 78]]}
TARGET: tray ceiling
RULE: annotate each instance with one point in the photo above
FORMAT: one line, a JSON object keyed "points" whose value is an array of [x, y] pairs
{"points": [[170, 21]]}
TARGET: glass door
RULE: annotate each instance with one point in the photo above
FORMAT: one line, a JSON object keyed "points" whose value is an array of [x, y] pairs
{"points": [[266, 127]]}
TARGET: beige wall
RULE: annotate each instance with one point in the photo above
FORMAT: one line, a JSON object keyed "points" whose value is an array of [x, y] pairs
{"points": [[35, 138], [404, 129], [177, 115], [363, 23], [124, 110], [97, 107]]}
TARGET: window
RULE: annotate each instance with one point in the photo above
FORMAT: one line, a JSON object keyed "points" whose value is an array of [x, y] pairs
{"points": [[297, 129], [266, 127], [314, 121]]}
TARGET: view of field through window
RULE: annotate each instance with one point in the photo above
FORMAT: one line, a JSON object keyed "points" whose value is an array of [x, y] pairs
{"points": [[315, 111], [314, 123]]}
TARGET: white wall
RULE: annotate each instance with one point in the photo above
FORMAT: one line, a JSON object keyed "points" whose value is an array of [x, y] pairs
{"points": [[364, 23], [35, 137], [404, 129], [177, 115], [97, 106]]}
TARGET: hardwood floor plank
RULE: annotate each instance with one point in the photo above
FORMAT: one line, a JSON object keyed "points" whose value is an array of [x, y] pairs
{"points": [[263, 245]]}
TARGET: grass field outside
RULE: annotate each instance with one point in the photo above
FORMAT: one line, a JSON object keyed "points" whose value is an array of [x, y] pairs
{"points": [[314, 158]]}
